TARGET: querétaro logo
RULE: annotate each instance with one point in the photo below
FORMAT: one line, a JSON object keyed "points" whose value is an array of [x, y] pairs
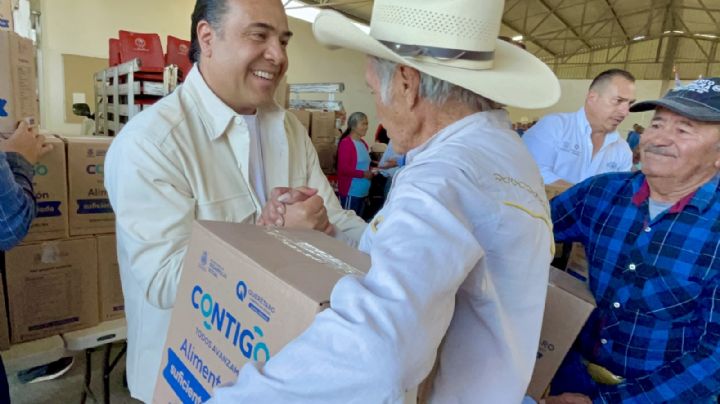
{"points": [[220, 319], [241, 291]]}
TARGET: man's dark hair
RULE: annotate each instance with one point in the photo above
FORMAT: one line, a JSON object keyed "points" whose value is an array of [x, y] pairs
{"points": [[211, 11], [606, 76]]}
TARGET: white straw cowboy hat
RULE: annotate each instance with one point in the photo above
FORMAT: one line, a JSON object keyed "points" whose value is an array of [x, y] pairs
{"points": [[455, 41]]}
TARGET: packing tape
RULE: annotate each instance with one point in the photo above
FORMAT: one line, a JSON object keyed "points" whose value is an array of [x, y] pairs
{"points": [[314, 253]]}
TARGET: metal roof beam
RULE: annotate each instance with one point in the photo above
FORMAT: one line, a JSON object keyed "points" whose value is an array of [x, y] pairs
{"points": [[565, 23], [617, 19], [528, 38]]}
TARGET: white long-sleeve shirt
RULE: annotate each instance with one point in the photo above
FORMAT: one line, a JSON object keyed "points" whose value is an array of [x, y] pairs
{"points": [[562, 147], [187, 158], [461, 250]]}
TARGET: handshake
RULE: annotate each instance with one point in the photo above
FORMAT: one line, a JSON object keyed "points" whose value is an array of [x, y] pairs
{"points": [[299, 207]]}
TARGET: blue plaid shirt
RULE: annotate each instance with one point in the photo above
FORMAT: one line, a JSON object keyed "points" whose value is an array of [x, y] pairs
{"points": [[657, 286], [17, 201]]}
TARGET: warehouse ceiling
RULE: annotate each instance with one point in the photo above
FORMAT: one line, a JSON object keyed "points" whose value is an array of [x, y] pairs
{"points": [[580, 38]]}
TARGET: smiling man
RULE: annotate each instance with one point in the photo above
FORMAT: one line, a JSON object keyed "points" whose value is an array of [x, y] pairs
{"points": [[212, 150], [571, 147], [652, 240]]}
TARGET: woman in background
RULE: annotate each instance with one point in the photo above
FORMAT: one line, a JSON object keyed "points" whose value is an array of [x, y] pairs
{"points": [[353, 164]]}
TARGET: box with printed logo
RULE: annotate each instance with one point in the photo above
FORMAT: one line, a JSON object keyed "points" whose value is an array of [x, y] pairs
{"points": [[50, 186], [18, 83], [52, 288], [245, 292], [112, 302], [567, 307], [6, 15], [90, 210]]}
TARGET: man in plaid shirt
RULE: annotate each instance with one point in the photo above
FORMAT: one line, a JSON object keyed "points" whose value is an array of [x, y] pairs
{"points": [[653, 245]]}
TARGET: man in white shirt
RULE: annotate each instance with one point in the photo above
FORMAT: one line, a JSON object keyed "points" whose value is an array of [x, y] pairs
{"points": [[212, 150], [570, 147], [462, 247]]}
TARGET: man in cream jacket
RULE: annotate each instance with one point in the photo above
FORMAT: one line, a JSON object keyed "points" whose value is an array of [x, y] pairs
{"points": [[212, 150]]}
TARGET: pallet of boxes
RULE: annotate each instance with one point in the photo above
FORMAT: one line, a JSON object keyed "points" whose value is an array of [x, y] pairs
{"points": [[64, 275], [320, 118]]}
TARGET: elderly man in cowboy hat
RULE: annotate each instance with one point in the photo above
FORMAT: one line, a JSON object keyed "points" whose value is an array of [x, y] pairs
{"points": [[653, 243], [461, 250]]}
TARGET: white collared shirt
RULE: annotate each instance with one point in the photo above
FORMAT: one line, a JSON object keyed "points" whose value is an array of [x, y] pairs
{"points": [[461, 250], [188, 158], [562, 147]]}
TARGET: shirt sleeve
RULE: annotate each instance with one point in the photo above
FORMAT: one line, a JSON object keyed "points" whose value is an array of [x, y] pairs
{"points": [[540, 141], [347, 159], [381, 334], [691, 378], [17, 201], [154, 210], [569, 213], [346, 221]]}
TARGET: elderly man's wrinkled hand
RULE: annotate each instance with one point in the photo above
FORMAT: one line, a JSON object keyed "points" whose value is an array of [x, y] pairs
{"points": [[273, 213], [308, 214]]}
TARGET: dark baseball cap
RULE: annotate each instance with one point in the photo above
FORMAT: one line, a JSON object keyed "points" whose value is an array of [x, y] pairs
{"points": [[699, 101]]}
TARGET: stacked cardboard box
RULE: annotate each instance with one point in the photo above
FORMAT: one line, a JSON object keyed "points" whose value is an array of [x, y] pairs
{"points": [[324, 137], [6, 17], [64, 276], [18, 83]]}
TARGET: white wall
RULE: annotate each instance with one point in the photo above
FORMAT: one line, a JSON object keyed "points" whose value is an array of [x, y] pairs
{"points": [[573, 97], [83, 27]]}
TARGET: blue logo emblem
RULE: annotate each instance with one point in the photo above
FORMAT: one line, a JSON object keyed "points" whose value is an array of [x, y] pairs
{"points": [[3, 103], [241, 291], [204, 258]]}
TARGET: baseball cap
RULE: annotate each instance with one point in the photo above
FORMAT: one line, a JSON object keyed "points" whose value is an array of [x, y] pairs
{"points": [[699, 101]]}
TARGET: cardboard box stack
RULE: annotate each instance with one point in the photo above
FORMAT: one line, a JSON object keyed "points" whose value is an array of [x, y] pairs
{"points": [[245, 292], [18, 83], [64, 276], [324, 137], [6, 15]]}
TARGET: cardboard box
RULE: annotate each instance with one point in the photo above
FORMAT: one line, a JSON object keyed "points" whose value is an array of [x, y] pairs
{"points": [[326, 156], [323, 128], [52, 288], [6, 15], [303, 116], [90, 210], [18, 83], [4, 325], [245, 292], [50, 186], [112, 302], [567, 307]]}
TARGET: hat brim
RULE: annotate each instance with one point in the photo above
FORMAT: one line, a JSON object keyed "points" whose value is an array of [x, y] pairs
{"points": [[694, 111], [517, 77]]}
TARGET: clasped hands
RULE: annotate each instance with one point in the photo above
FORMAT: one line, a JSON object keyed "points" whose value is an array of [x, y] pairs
{"points": [[299, 207]]}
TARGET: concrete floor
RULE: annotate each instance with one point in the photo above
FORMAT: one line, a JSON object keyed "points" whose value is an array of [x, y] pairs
{"points": [[69, 387]]}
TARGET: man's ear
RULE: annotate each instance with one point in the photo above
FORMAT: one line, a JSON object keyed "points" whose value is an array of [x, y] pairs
{"points": [[205, 37], [409, 84]]}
